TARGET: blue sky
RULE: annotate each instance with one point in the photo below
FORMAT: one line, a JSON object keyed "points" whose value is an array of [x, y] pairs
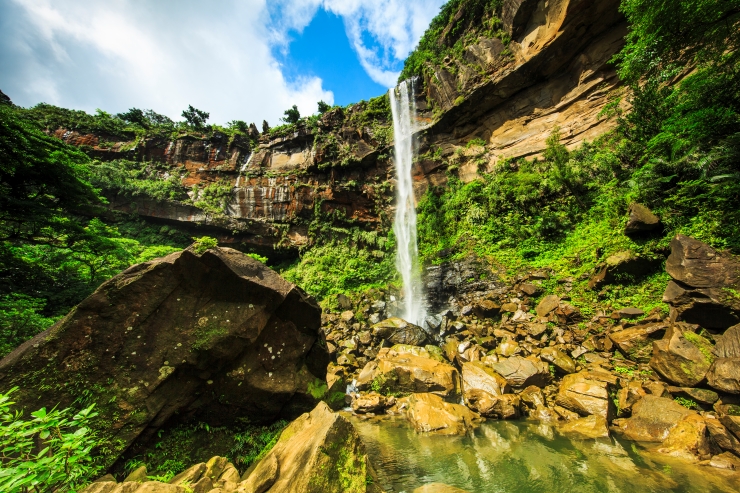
{"points": [[323, 50], [237, 59]]}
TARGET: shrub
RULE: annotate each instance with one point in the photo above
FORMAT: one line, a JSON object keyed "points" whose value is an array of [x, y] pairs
{"points": [[50, 452], [204, 243]]}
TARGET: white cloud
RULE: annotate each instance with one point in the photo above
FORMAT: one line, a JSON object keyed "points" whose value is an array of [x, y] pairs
{"points": [[393, 26], [166, 54], [162, 55]]}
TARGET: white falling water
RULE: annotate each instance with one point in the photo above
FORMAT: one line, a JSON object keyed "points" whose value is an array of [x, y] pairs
{"points": [[403, 108]]}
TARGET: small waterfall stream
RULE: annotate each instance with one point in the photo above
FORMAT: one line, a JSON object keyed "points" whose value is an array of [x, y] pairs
{"points": [[403, 107]]}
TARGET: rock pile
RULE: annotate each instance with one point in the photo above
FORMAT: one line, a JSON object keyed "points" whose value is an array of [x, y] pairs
{"points": [[511, 351]]}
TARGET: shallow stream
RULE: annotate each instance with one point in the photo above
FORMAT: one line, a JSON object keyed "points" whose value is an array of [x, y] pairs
{"points": [[513, 457]]}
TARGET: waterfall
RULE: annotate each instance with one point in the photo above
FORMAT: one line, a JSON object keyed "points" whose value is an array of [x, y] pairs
{"points": [[403, 107]]}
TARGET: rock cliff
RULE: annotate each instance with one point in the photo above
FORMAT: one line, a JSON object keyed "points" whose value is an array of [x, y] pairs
{"points": [[497, 100]]}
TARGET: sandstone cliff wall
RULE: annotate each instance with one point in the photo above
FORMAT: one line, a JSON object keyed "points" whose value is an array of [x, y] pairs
{"points": [[553, 73]]}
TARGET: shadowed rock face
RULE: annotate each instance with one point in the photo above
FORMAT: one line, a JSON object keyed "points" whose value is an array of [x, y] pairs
{"points": [[220, 335], [705, 283]]}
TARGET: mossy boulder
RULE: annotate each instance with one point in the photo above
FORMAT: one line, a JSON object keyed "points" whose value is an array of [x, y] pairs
{"points": [[682, 357], [217, 334], [319, 452]]}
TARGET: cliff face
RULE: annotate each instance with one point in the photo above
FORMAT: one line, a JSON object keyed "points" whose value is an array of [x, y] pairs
{"points": [[505, 98]]}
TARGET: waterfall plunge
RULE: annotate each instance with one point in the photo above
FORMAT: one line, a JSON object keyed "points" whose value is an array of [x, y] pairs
{"points": [[403, 108]]}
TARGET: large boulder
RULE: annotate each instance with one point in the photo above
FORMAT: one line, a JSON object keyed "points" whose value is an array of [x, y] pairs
{"points": [[652, 419], [477, 376], [398, 331], [689, 439], [586, 393], [320, 452], [728, 344], [504, 406], [558, 359], [217, 334], [705, 283], [429, 413], [724, 375], [682, 357], [523, 372], [636, 343], [406, 372]]}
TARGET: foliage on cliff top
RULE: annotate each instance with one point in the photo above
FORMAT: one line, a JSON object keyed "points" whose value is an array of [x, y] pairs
{"points": [[677, 151], [128, 126], [52, 254], [458, 23]]}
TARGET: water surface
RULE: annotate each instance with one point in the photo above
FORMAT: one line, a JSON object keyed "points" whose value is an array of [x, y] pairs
{"points": [[527, 457]]}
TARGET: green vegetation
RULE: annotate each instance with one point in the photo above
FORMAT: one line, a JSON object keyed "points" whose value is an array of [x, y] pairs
{"points": [[175, 449], [460, 23], [196, 118], [676, 152], [292, 115], [687, 403], [52, 254], [51, 451], [204, 243]]}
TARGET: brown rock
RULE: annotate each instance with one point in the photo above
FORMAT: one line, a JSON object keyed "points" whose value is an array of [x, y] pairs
{"points": [[721, 437], [493, 406], [522, 372], [728, 344], [347, 316], [559, 359], [372, 403], [532, 396], [724, 375], [628, 396], [486, 309], [682, 357], [515, 15], [429, 413], [109, 487], [174, 334], [732, 423], [509, 307], [593, 426], [261, 477], [138, 475], [406, 372], [636, 343], [688, 439], [476, 375], [548, 304], [398, 331], [652, 419], [703, 282], [318, 452], [585, 394], [702, 396], [725, 460], [536, 330], [641, 219], [190, 475], [529, 289]]}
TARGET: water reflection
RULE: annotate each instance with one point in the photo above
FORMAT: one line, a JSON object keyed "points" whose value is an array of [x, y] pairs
{"points": [[511, 457]]}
